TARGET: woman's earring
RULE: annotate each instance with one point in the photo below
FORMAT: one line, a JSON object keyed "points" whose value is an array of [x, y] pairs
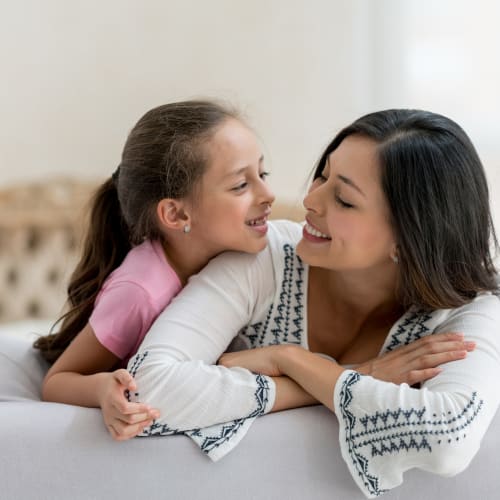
{"points": [[187, 228], [395, 259]]}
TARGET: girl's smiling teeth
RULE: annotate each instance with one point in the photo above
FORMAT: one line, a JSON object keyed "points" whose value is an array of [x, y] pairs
{"points": [[314, 232], [257, 222]]}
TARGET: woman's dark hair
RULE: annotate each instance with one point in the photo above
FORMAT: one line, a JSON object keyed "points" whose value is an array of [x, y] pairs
{"points": [[437, 192], [164, 157]]}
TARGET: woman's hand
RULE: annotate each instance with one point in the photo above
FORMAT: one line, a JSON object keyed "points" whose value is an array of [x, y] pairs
{"points": [[418, 361], [123, 419]]}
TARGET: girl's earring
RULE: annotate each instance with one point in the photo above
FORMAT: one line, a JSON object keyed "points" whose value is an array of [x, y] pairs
{"points": [[187, 228], [395, 259]]}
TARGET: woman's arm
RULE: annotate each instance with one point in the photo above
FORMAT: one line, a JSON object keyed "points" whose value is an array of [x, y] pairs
{"points": [[386, 429], [175, 368], [289, 395], [411, 364]]}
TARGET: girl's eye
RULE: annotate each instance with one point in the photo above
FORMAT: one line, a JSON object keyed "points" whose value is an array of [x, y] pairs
{"points": [[240, 187], [263, 175], [342, 203]]}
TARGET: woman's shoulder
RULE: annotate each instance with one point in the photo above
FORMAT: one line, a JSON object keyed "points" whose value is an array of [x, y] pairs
{"points": [[480, 317], [286, 230], [487, 303], [282, 237]]}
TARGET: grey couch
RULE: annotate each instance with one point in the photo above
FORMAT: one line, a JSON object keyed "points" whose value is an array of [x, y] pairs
{"points": [[52, 451]]}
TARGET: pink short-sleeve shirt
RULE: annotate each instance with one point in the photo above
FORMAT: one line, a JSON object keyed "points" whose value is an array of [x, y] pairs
{"points": [[131, 299]]}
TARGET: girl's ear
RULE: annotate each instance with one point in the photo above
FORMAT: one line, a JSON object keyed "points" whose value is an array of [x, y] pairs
{"points": [[172, 214]]}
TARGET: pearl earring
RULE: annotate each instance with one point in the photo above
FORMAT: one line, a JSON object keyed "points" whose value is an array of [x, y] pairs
{"points": [[187, 228], [395, 259]]}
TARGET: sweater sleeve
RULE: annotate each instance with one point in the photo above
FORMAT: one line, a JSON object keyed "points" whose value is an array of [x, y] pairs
{"points": [[175, 366], [387, 429]]}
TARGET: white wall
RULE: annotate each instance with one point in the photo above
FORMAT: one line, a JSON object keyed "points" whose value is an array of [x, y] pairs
{"points": [[76, 76]]}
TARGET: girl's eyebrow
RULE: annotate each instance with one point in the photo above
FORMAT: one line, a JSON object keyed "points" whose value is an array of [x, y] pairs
{"points": [[239, 171]]}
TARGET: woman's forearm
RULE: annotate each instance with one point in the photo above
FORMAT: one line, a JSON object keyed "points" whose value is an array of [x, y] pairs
{"points": [[289, 395], [315, 374]]}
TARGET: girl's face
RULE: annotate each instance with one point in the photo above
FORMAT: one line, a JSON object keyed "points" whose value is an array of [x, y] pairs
{"points": [[233, 202], [347, 223]]}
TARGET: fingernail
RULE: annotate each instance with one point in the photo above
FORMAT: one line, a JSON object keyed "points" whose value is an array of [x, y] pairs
{"points": [[470, 345]]}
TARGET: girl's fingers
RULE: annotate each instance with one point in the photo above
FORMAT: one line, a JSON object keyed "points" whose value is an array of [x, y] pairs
{"points": [[123, 377], [124, 407], [121, 431]]}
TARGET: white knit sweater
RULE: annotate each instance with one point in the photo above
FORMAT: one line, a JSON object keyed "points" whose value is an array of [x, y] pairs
{"points": [[385, 429]]}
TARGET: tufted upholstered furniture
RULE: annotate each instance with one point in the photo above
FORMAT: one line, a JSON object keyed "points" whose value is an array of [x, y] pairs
{"points": [[40, 230], [53, 452]]}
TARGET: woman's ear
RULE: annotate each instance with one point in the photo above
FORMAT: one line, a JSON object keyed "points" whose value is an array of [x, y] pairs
{"points": [[172, 214], [394, 255]]}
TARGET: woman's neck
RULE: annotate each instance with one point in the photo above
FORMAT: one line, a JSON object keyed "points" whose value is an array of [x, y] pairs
{"points": [[368, 295]]}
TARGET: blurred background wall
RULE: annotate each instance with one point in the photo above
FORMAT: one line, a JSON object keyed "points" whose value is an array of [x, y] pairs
{"points": [[76, 76]]}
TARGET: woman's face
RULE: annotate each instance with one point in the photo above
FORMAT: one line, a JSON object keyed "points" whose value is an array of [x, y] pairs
{"points": [[347, 223]]}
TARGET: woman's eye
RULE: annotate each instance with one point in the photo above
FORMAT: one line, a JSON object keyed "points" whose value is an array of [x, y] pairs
{"points": [[263, 175], [343, 203]]}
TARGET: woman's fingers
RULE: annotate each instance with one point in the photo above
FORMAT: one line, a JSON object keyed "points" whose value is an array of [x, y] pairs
{"points": [[418, 376], [431, 344], [419, 360]]}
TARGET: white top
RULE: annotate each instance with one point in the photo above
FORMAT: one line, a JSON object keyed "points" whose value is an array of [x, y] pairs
{"points": [[385, 429]]}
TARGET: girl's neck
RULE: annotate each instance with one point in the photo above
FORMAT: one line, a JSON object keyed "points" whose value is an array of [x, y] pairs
{"points": [[186, 259]]}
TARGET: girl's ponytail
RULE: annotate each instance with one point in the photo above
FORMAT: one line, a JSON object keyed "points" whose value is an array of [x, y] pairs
{"points": [[105, 246]]}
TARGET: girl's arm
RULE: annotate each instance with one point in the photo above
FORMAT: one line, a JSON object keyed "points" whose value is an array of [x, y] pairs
{"points": [[81, 376]]}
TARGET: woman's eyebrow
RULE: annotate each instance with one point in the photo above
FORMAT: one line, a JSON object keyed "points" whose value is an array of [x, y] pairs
{"points": [[351, 183]]}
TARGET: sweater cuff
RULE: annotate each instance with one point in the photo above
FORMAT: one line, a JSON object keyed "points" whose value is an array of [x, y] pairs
{"points": [[270, 393]]}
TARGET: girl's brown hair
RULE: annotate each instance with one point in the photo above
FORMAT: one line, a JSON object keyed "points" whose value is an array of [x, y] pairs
{"points": [[164, 157]]}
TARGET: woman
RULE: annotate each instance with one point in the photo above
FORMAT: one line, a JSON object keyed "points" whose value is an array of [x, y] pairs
{"points": [[396, 247]]}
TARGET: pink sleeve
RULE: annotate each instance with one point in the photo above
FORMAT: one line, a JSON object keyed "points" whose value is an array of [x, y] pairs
{"points": [[120, 317]]}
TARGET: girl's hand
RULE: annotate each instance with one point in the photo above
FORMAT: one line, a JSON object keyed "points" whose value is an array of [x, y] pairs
{"points": [[418, 361], [263, 360], [123, 419]]}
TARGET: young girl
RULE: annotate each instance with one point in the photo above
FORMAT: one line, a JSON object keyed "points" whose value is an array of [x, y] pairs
{"points": [[191, 184]]}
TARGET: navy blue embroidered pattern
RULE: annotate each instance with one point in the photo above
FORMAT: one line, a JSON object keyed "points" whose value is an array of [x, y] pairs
{"points": [[411, 328], [359, 461], [224, 432], [283, 323], [399, 430], [212, 437], [137, 362]]}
